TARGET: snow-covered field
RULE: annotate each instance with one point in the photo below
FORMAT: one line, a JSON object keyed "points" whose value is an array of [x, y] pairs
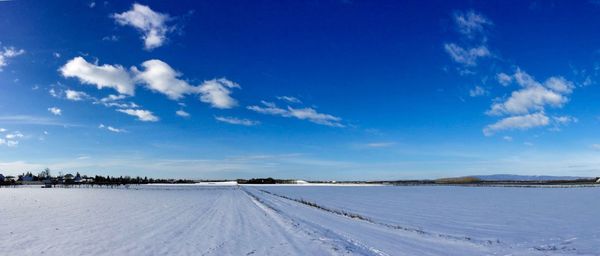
{"points": [[300, 220]]}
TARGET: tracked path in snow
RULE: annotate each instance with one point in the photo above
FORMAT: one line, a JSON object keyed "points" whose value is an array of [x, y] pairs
{"points": [[363, 236], [147, 221], [204, 220]]}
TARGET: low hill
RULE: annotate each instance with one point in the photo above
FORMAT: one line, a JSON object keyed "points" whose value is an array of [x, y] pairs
{"points": [[513, 177]]}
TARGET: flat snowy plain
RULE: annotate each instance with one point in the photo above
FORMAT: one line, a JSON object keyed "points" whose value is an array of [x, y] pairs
{"points": [[300, 220]]}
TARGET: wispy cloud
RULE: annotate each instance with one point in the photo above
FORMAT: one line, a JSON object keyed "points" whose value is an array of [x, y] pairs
{"points": [[34, 120], [473, 28], [182, 113], [76, 95], [289, 99], [384, 144], [471, 23], [236, 121], [10, 139], [478, 91], [55, 111], [522, 122], [112, 129], [307, 113], [467, 57], [8, 53], [142, 115]]}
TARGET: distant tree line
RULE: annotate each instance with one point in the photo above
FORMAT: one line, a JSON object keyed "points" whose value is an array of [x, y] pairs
{"points": [[265, 181], [46, 177]]}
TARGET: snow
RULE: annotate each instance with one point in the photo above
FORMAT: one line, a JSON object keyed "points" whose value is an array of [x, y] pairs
{"points": [[227, 219], [553, 220]]}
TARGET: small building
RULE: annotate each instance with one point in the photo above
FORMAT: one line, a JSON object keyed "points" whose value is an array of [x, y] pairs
{"points": [[598, 181], [1, 177], [27, 177], [47, 183], [77, 178]]}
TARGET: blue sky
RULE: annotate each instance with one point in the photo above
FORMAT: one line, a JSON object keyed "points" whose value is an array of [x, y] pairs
{"points": [[300, 89]]}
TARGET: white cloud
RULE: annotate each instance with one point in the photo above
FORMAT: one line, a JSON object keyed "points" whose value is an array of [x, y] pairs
{"points": [[526, 100], [289, 99], [160, 77], [56, 55], [116, 101], [595, 147], [157, 76], [54, 93], [504, 79], [142, 115], [380, 144], [182, 113], [14, 135], [507, 138], [2, 130], [76, 95], [472, 26], [565, 120], [236, 121], [534, 96], [11, 139], [467, 57], [9, 143], [112, 129], [151, 24], [7, 53], [217, 92], [309, 114], [312, 115], [470, 23], [522, 122], [105, 76], [269, 108], [55, 111], [559, 84], [111, 38], [112, 97], [477, 91]]}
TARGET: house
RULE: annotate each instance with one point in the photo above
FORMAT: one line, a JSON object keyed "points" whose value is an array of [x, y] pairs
{"points": [[47, 183], [69, 177], [77, 178], [598, 181], [27, 177], [1, 177]]}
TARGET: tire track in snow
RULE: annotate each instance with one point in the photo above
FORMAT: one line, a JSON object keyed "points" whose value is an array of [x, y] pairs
{"points": [[318, 232], [392, 226]]}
